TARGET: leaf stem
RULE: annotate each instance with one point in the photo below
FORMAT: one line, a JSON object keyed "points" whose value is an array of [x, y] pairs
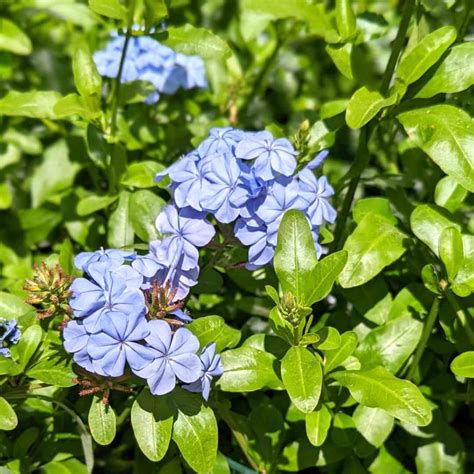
{"points": [[427, 329], [407, 12], [116, 96]]}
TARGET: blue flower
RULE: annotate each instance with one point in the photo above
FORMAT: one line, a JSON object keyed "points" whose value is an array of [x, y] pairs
{"points": [[281, 197], [272, 156], [317, 160], [253, 233], [76, 340], [187, 183], [220, 140], [223, 191], [112, 287], [9, 334], [84, 259], [148, 60], [174, 358], [152, 269], [317, 192], [118, 343], [210, 367], [189, 229]]}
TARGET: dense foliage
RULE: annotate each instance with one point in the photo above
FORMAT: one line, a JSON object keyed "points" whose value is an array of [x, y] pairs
{"points": [[282, 195]]}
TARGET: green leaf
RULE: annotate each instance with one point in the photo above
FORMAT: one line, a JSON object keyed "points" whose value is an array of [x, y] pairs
{"points": [[465, 275], [374, 424], [53, 371], [13, 39], [463, 365], [449, 194], [55, 174], [374, 244], [13, 307], [66, 257], [295, 256], [341, 56], [190, 40], [110, 8], [455, 73], [8, 418], [451, 251], [35, 104], [345, 19], [425, 54], [317, 425], [155, 10], [329, 339], [214, 329], [102, 422], [444, 133], [73, 104], [364, 105], [86, 77], [91, 204], [324, 275], [5, 196], [378, 388], [391, 344], [195, 431], [146, 206], [29, 342], [121, 232], [247, 369], [141, 174], [428, 222], [335, 357], [302, 377], [373, 205], [152, 423]]}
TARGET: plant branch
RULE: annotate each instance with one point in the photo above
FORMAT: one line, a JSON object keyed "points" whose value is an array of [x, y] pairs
{"points": [[427, 329], [407, 12], [116, 96]]}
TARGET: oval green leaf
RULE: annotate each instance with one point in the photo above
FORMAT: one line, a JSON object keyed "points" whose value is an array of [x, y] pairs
{"points": [[378, 388], [317, 425], [102, 422], [444, 133], [302, 377], [8, 418], [463, 365], [152, 423]]}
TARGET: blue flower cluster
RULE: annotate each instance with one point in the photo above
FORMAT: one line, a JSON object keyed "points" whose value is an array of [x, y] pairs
{"points": [[249, 178], [148, 60], [127, 312], [9, 334]]}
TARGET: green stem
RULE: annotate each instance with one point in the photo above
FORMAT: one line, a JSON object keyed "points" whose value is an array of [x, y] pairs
{"points": [[362, 155], [360, 162], [427, 329], [116, 96], [461, 315], [407, 12]]}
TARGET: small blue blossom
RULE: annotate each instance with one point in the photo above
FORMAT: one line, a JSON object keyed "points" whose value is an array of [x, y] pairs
{"points": [[148, 60], [223, 191], [272, 156], [188, 230], [317, 161], [111, 288], [118, 343], [220, 140], [211, 367], [316, 192], [174, 358], [84, 259], [9, 334]]}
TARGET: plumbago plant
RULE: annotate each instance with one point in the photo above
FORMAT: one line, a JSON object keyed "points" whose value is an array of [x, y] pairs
{"points": [[237, 236]]}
